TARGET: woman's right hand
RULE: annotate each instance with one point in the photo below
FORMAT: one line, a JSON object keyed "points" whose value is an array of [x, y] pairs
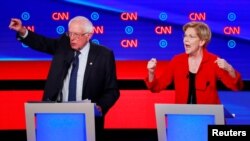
{"points": [[152, 65]]}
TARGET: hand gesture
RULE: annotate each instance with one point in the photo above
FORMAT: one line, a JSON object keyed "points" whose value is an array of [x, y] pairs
{"points": [[16, 24], [152, 65], [222, 63]]}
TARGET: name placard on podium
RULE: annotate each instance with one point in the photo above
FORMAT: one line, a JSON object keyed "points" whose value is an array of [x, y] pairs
{"points": [[60, 121], [186, 122]]}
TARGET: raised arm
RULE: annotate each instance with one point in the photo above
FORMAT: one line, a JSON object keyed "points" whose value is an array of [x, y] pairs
{"points": [[151, 69], [16, 24]]}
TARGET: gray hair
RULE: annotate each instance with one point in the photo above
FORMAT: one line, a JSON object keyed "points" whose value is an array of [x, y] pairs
{"points": [[86, 23]]}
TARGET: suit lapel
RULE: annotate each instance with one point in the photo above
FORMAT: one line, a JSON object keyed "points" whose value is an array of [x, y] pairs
{"points": [[69, 57], [93, 51]]}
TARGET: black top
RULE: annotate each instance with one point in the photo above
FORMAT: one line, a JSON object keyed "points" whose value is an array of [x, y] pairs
{"points": [[191, 92]]}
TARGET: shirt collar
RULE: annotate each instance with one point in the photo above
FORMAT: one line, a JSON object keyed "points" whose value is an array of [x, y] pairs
{"points": [[85, 48]]}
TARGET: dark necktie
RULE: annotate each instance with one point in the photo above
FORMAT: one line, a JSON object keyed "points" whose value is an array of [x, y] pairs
{"points": [[73, 78]]}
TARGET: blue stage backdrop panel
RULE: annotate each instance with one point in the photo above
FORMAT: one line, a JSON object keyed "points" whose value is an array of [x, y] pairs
{"points": [[135, 30]]}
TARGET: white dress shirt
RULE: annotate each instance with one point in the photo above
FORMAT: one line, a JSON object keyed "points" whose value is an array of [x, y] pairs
{"points": [[80, 75]]}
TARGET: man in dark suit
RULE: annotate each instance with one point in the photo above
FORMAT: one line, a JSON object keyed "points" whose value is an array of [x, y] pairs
{"points": [[96, 75]]}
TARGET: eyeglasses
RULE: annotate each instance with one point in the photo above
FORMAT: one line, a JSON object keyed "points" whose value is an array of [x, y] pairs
{"points": [[75, 35]]}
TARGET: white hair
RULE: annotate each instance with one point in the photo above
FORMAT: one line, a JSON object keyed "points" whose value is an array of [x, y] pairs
{"points": [[86, 23]]}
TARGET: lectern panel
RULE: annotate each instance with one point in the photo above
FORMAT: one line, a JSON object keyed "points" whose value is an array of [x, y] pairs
{"points": [[59, 121], [185, 122], [182, 127], [60, 126]]}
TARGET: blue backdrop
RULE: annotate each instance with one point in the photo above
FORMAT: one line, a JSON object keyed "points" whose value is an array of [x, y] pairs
{"points": [[135, 30]]}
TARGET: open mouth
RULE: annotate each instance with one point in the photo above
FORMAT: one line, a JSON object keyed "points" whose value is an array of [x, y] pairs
{"points": [[187, 46]]}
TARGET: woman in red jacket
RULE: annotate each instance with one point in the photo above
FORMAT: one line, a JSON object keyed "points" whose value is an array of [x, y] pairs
{"points": [[196, 71]]}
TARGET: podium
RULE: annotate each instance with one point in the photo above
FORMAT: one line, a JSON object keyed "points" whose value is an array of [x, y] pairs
{"points": [[60, 121], [186, 122]]}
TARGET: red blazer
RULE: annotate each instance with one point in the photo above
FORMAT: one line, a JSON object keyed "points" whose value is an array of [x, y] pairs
{"points": [[205, 81]]}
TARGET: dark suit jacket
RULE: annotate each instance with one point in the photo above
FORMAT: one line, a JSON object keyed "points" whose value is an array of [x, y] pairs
{"points": [[100, 81]]}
